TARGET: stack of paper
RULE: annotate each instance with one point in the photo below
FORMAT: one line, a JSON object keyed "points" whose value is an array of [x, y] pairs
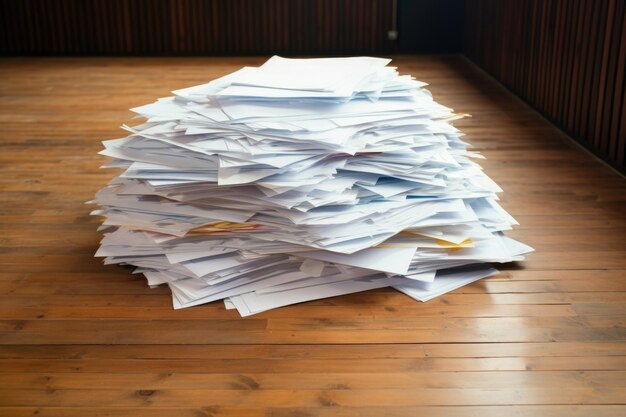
{"points": [[297, 180]]}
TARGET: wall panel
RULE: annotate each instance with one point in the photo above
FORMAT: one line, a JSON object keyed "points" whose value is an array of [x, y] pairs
{"points": [[565, 57], [226, 27], [179, 27]]}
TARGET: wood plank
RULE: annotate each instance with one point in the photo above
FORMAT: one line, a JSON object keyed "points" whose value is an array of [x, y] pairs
{"points": [[322, 411], [325, 330], [341, 365], [310, 398], [315, 351], [271, 381]]}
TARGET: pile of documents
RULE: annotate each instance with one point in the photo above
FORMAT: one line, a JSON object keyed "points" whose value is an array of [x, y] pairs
{"points": [[298, 180]]}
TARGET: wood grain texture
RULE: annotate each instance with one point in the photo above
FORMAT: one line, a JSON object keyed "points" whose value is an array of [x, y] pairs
{"points": [[226, 27], [542, 338], [183, 27], [567, 58]]}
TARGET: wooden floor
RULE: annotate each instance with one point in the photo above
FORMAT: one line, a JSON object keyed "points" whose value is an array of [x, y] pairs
{"points": [[543, 338]]}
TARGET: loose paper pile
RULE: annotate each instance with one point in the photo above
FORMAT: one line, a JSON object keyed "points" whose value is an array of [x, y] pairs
{"points": [[298, 180]]}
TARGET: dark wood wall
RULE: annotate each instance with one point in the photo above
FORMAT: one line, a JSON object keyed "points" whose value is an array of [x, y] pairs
{"points": [[226, 27], [567, 58]]}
